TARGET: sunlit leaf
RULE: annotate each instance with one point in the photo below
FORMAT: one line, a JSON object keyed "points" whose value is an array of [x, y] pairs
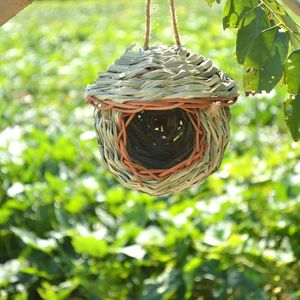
{"points": [[234, 11], [9, 271], [252, 25], [90, 245], [210, 2], [292, 115], [274, 6], [60, 292], [29, 238], [265, 60], [292, 72], [134, 251]]}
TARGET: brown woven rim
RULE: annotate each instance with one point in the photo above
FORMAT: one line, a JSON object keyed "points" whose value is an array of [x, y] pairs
{"points": [[163, 104], [128, 111]]}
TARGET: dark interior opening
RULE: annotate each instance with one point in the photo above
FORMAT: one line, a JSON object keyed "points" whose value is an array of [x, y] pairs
{"points": [[160, 139]]}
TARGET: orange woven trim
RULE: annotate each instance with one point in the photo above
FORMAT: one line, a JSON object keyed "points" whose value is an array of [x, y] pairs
{"points": [[163, 104], [131, 108], [141, 172]]}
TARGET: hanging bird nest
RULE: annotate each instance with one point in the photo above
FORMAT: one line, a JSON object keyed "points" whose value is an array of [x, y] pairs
{"points": [[162, 117]]}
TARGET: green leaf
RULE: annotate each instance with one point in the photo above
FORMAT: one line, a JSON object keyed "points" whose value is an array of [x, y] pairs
{"points": [[278, 14], [295, 39], [290, 23], [293, 30], [235, 10], [9, 271], [90, 245], [292, 72], [30, 239], [210, 2], [135, 251], [34, 271], [60, 292], [162, 287], [105, 218], [265, 60], [280, 17], [230, 13], [252, 25], [274, 7], [189, 274], [292, 114]]}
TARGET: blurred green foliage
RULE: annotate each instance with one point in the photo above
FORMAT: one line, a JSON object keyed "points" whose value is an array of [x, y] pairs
{"points": [[68, 230]]}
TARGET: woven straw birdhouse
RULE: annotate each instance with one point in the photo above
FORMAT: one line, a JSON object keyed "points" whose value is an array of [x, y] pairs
{"points": [[162, 118]]}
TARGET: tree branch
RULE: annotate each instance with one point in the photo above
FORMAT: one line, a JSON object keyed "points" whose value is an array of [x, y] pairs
{"points": [[9, 8], [294, 5]]}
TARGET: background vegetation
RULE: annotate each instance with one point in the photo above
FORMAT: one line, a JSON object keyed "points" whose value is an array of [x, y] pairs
{"points": [[68, 230]]}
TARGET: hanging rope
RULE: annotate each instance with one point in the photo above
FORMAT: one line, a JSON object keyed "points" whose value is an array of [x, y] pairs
{"points": [[148, 23], [174, 22]]}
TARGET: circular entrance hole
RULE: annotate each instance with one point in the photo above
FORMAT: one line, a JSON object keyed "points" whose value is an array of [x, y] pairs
{"points": [[160, 139]]}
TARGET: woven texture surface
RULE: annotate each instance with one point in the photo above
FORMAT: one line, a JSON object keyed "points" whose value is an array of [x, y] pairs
{"points": [[161, 73], [162, 118]]}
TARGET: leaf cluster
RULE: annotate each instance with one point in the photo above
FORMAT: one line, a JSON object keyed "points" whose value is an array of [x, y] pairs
{"points": [[267, 45]]}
